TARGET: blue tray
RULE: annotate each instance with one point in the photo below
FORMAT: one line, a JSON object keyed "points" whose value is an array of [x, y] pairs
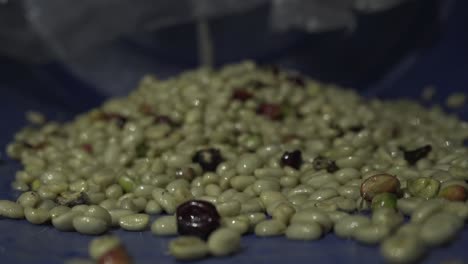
{"points": [[24, 87]]}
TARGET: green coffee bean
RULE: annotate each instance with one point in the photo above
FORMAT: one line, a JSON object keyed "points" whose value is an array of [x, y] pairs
{"points": [[11, 209], [425, 210], [320, 180], [288, 181], [423, 187], [29, 199], [387, 217], [298, 199], [270, 228], [95, 197], [440, 228], [167, 202], [109, 204], [59, 210], [411, 229], [223, 242], [247, 164], [335, 216], [114, 191], [402, 249], [371, 234], [408, 205], [144, 191], [304, 231], [80, 208], [126, 183], [301, 189], [283, 212], [263, 185], [323, 194], [98, 212], [134, 222], [241, 182], [153, 207], [459, 209], [240, 223], [140, 204], [345, 175], [64, 222], [346, 226], [116, 214], [269, 197], [164, 226], [89, 225], [231, 208], [313, 215], [345, 204], [212, 190], [351, 192], [268, 172], [100, 246], [388, 200], [188, 248], [36, 216], [255, 218]]}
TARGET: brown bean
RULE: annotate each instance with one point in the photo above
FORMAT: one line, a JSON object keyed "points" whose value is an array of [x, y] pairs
{"points": [[379, 183]]}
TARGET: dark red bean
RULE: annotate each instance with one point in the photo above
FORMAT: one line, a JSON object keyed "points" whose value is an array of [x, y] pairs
{"points": [[117, 255], [88, 148], [164, 119], [453, 193], [297, 80], [209, 159], [241, 95], [271, 111], [197, 218], [146, 109], [292, 159]]}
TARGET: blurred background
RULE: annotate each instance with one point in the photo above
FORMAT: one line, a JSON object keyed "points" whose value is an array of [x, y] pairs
{"points": [[63, 56]]}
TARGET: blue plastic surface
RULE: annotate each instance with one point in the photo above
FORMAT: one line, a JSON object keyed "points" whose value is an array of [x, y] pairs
{"points": [[58, 94]]}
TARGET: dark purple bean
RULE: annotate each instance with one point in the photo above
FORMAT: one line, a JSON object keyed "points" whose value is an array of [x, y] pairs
{"points": [[292, 159], [356, 128], [241, 95], [413, 156], [271, 111], [197, 218]]}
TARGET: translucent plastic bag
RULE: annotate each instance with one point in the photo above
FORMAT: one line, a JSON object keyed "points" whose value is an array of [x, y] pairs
{"points": [[35, 30]]}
